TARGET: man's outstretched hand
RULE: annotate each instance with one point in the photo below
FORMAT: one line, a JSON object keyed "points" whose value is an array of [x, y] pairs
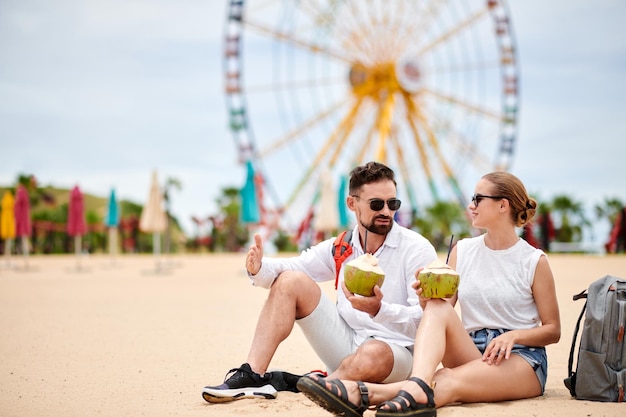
{"points": [[255, 255]]}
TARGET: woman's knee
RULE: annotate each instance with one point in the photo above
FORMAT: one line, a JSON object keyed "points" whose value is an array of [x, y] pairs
{"points": [[438, 308]]}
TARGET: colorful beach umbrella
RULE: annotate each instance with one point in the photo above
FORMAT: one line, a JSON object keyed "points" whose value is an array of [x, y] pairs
{"points": [[249, 201], [326, 214], [113, 214], [23, 227], [7, 217], [7, 223], [76, 225], [112, 221], [341, 202], [153, 218]]}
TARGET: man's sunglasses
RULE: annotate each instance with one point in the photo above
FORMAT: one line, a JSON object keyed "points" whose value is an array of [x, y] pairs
{"points": [[477, 198], [377, 204]]}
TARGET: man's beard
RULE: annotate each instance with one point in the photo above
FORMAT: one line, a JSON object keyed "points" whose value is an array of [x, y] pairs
{"points": [[378, 229]]}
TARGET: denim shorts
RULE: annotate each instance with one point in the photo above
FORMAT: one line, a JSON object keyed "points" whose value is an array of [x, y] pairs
{"points": [[535, 356]]}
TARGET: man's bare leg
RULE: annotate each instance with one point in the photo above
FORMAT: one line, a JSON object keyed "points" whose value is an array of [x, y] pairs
{"points": [[292, 296]]}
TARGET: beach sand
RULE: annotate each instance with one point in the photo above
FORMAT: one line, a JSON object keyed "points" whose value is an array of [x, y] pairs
{"points": [[119, 338]]}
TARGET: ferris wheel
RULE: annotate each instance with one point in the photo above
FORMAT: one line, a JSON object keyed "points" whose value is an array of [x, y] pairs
{"points": [[314, 88]]}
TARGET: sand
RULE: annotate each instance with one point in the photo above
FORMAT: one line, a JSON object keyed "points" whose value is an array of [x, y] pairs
{"points": [[119, 338]]}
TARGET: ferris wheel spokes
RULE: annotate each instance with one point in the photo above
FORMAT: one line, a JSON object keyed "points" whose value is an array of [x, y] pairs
{"points": [[295, 134], [460, 26], [425, 125], [290, 38], [336, 138]]}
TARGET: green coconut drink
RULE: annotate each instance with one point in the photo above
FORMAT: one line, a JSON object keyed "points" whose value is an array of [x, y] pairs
{"points": [[438, 280], [362, 274]]}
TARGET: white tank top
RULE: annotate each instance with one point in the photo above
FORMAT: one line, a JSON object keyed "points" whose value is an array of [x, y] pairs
{"points": [[495, 291]]}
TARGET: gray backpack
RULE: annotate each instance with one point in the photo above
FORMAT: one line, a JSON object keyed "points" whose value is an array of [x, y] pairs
{"points": [[601, 365]]}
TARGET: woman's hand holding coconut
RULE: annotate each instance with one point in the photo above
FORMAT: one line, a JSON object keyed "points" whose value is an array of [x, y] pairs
{"points": [[417, 286]]}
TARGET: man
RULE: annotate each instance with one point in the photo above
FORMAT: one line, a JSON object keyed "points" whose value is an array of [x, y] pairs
{"points": [[359, 338]]}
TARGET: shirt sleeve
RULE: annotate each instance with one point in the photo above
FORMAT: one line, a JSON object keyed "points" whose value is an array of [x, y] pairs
{"points": [[316, 262]]}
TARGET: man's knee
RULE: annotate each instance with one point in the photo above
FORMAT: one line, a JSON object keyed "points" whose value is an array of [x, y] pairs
{"points": [[298, 287], [373, 361], [294, 282]]}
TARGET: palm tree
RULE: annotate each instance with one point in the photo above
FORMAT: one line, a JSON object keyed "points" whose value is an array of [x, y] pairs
{"points": [[572, 218], [609, 209], [169, 184], [442, 220], [233, 233]]}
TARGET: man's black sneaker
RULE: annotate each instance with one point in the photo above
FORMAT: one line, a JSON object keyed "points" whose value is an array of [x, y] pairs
{"points": [[285, 381], [240, 383]]}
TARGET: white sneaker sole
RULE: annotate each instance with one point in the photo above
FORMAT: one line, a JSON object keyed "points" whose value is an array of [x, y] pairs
{"points": [[225, 395]]}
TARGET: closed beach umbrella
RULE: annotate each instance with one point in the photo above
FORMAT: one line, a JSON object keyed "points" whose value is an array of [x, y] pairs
{"points": [[249, 201], [7, 217], [112, 221], [341, 203], [7, 222], [326, 214], [76, 225], [21, 209], [113, 213], [153, 219], [23, 227]]}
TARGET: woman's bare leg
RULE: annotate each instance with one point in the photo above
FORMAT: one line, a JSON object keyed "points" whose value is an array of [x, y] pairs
{"points": [[477, 381], [440, 338]]}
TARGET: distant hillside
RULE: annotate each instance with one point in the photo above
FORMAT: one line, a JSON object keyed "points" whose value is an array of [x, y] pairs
{"points": [[51, 203]]}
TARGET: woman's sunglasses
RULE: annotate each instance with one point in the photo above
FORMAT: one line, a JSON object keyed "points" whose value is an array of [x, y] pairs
{"points": [[377, 204], [477, 198]]}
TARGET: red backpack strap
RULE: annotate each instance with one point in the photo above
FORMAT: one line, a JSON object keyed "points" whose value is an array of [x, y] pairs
{"points": [[342, 249]]}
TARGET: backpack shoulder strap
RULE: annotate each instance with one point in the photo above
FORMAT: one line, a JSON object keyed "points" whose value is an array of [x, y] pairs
{"points": [[342, 249], [570, 362]]}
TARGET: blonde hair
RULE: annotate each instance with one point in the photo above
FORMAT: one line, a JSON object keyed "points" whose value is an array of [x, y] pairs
{"points": [[507, 185]]}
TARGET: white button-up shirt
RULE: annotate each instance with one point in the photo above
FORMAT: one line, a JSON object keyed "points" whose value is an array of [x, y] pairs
{"points": [[401, 254]]}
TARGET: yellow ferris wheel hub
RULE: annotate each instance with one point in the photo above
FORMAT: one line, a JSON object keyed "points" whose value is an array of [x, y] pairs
{"points": [[375, 81]]}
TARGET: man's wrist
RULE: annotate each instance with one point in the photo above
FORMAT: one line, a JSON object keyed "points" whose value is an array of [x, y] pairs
{"points": [[380, 304]]}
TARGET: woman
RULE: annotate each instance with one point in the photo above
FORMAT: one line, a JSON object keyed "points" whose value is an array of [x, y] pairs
{"points": [[509, 312]]}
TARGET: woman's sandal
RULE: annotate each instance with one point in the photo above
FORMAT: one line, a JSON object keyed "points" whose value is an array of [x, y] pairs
{"points": [[408, 406], [335, 398]]}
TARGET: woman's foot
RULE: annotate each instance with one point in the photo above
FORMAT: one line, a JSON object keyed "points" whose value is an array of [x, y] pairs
{"points": [[335, 396], [410, 402]]}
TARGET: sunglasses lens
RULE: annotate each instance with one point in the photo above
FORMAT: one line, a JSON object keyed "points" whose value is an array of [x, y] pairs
{"points": [[394, 204], [377, 204]]}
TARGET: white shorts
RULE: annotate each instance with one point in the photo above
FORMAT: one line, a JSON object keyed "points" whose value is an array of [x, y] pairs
{"points": [[333, 340]]}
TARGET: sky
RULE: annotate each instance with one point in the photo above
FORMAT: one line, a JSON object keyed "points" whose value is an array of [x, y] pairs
{"points": [[100, 93]]}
